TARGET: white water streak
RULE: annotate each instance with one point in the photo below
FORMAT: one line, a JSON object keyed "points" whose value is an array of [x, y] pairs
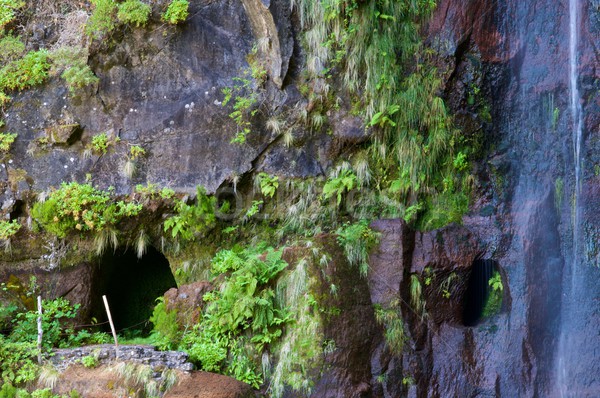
{"points": [[564, 357]]}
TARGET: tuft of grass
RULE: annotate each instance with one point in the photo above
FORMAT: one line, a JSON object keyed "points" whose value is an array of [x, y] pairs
{"points": [[275, 125], [129, 168], [416, 294], [391, 318], [104, 239], [48, 377], [357, 240], [141, 244]]}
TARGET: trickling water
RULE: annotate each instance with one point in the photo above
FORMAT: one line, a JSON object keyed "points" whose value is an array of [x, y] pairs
{"points": [[564, 359], [575, 112]]}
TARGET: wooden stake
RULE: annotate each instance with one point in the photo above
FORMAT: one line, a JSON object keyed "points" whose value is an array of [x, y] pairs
{"points": [[112, 326], [40, 329]]}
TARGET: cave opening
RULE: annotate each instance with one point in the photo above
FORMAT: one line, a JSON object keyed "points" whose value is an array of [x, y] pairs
{"points": [[131, 286], [18, 210], [482, 298]]}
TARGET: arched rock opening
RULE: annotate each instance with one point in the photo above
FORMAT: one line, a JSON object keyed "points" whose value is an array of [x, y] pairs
{"points": [[131, 286], [477, 295]]}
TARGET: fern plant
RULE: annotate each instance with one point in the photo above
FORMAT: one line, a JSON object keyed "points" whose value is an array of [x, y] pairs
{"points": [[337, 185], [190, 220]]}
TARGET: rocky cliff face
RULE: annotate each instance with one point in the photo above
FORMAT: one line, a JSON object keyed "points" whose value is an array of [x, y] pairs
{"points": [[505, 68]]}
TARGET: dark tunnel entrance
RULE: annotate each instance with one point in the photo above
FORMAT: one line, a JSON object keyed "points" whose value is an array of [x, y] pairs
{"points": [[478, 292], [131, 286]]}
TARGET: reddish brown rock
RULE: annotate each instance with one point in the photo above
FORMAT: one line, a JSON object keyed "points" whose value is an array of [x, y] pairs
{"points": [[187, 301], [452, 247], [209, 385]]}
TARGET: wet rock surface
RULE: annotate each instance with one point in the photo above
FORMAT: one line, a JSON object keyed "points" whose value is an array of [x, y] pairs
{"points": [[166, 97]]}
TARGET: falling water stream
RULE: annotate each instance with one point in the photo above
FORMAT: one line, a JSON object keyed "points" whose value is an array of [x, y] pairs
{"points": [[564, 359]]}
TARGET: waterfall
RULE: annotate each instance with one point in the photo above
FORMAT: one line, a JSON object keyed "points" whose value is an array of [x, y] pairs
{"points": [[576, 116], [564, 355]]}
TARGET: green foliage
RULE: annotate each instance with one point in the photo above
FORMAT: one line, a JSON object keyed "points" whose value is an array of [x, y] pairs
{"points": [[17, 361], [7, 10], [460, 162], [8, 229], [90, 361], [268, 184], [375, 48], [338, 184], [254, 209], [493, 304], [100, 143], [81, 207], [357, 240], [391, 318], [176, 12], [56, 317], [167, 193], [134, 12], [71, 64], [25, 72], [137, 151], [166, 329], [11, 48], [448, 285], [191, 220], [55, 313], [416, 294], [6, 141], [244, 98], [242, 317], [102, 20]]}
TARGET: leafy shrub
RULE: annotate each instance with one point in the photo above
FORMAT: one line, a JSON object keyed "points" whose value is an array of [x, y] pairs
{"points": [[55, 313], [8, 229], [7, 10], [25, 72], [242, 318], [17, 361], [81, 207], [100, 143], [176, 12], [166, 329], [192, 219], [134, 12], [89, 361], [6, 141], [102, 19]]}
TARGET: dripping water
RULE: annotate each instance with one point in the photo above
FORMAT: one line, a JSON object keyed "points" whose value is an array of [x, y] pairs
{"points": [[564, 359]]}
